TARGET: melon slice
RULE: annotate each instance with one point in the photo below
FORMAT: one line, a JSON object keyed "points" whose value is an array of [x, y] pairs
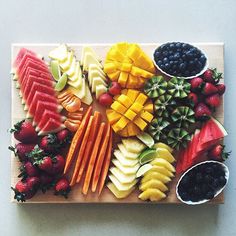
{"points": [[41, 107], [47, 114], [20, 55], [39, 96], [38, 87], [60, 53], [52, 126]]}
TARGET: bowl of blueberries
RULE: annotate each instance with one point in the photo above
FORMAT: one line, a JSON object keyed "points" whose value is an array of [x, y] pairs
{"points": [[177, 59], [202, 182]]}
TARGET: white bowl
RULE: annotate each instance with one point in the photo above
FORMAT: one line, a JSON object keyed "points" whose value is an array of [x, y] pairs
{"points": [[225, 168], [189, 77]]}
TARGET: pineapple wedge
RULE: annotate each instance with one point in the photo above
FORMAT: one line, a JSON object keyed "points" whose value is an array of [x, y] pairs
{"points": [[162, 170], [153, 183], [165, 154], [133, 145], [153, 194], [155, 175], [164, 163]]}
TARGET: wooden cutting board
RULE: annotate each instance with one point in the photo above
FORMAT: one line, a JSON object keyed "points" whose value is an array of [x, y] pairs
{"points": [[215, 54]]}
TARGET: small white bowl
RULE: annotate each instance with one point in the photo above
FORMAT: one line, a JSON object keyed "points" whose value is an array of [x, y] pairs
{"points": [[189, 77], [225, 168]]}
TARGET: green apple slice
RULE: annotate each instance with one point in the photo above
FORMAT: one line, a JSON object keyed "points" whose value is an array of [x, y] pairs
{"points": [[88, 99], [72, 69], [60, 85], [90, 59], [93, 73], [87, 49], [78, 72], [55, 69], [97, 81]]}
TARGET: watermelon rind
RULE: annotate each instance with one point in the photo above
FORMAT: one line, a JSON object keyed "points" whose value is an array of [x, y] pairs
{"points": [[221, 127]]}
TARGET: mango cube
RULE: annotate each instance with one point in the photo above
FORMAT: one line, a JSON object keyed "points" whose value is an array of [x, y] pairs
{"points": [[126, 67], [123, 78], [134, 52], [114, 76], [132, 94], [148, 107], [112, 116], [123, 121], [130, 114], [136, 107], [140, 123], [141, 99], [133, 129], [110, 68], [147, 116], [118, 107], [123, 99]]}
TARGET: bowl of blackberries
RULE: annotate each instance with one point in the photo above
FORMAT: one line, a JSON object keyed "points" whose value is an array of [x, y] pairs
{"points": [[202, 182], [177, 59]]}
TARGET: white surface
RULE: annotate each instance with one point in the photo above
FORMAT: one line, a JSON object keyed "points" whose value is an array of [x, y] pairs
{"points": [[49, 21]]}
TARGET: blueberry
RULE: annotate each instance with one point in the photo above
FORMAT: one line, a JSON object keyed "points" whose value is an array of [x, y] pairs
{"points": [[171, 45], [216, 183], [184, 196], [199, 178], [204, 188], [165, 53], [197, 190], [178, 45], [174, 66], [161, 66], [191, 63], [208, 179], [199, 65], [184, 45], [185, 181], [193, 72], [210, 195], [157, 54], [182, 66], [187, 73], [174, 72], [202, 59], [209, 170], [165, 60], [176, 62], [183, 56], [176, 55], [171, 63], [189, 55], [167, 65], [171, 57], [159, 62], [222, 181], [178, 50]]}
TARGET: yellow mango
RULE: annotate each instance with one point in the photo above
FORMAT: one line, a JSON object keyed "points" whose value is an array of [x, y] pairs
{"points": [[114, 76], [134, 52], [122, 47], [136, 107], [141, 99], [112, 116], [110, 68], [133, 130], [122, 122], [148, 107], [115, 55], [126, 67], [132, 82], [118, 107], [130, 114], [124, 91], [140, 123], [132, 94], [146, 116], [125, 100], [124, 132], [123, 78]]}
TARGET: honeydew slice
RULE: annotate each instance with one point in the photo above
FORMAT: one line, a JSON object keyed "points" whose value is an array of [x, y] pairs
{"points": [[88, 99], [78, 92], [100, 89], [119, 185], [123, 178], [67, 63], [87, 49], [92, 73], [126, 153], [90, 59], [97, 81], [72, 69], [60, 53], [78, 72], [119, 194], [96, 67], [76, 83], [124, 161], [124, 169]]}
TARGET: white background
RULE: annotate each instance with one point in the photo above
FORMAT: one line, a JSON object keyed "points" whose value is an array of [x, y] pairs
{"points": [[49, 21]]}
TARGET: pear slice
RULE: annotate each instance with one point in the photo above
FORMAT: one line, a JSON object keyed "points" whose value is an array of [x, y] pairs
{"points": [[119, 194], [124, 169], [72, 69], [133, 145], [123, 160], [96, 68], [78, 72], [92, 73], [126, 153], [123, 178], [78, 92], [60, 53]]}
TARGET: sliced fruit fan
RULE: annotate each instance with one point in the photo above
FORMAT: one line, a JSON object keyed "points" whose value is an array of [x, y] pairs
{"points": [[117, 124]]}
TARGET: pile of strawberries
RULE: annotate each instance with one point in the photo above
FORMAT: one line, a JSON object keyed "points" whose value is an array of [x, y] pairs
{"points": [[206, 92], [41, 165]]}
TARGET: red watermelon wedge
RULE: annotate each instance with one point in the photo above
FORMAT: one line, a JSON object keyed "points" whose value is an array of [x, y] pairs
{"points": [[20, 55], [52, 126], [40, 96]]}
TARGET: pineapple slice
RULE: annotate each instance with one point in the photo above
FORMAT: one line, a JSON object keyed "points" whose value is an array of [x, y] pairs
{"points": [[153, 194], [164, 163], [162, 170], [153, 183], [133, 145], [155, 175]]}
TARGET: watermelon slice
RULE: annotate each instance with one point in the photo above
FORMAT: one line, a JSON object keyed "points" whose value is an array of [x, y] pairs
{"points": [[52, 126], [47, 114], [31, 64], [38, 87], [180, 159], [42, 97], [41, 107], [26, 89], [20, 55], [36, 73]]}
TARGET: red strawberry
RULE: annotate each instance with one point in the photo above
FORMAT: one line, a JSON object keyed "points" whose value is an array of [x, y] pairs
{"points": [[202, 111], [62, 187], [21, 150], [33, 183], [63, 136], [45, 179], [49, 143], [44, 164], [28, 169], [196, 84], [221, 89], [212, 76], [24, 132], [213, 100], [58, 165], [193, 98], [105, 99], [209, 89], [115, 88], [217, 153]]}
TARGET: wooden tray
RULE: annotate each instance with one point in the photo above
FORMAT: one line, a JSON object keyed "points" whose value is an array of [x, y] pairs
{"points": [[215, 53]]}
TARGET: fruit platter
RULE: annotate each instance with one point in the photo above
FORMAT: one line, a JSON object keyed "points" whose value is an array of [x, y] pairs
{"points": [[118, 123]]}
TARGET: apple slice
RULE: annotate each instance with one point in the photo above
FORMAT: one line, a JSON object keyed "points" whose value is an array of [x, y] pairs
{"points": [[126, 170], [119, 185], [124, 179], [119, 194], [123, 160], [78, 92]]}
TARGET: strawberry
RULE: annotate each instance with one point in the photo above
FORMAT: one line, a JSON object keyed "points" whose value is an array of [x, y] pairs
{"points": [[212, 76], [221, 89], [196, 84], [217, 153], [33, 183], [105, 99], [24, 132], [64, 136], [193, 98], [28, 169], [44, 164], [46, 181], [202, 111], [49, 143], [209, 89], [58, 164], [62, 187], [213, 100], [115, 88], [21, 150]]}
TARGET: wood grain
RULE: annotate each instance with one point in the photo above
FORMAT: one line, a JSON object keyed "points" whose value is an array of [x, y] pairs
{"points": [[215, 54]]}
